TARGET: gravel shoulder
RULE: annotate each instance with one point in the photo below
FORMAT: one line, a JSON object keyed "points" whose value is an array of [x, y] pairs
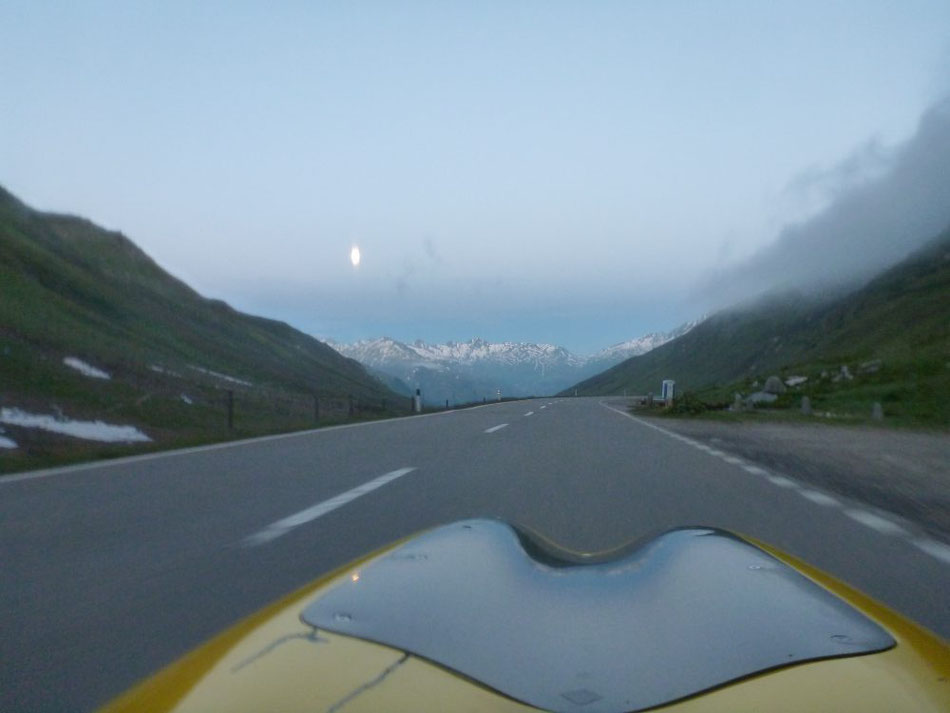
{"points": [[906, 473]]}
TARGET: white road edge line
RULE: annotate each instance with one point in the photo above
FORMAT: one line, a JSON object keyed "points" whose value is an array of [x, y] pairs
{"points": [[880, 524], [282, 527], [495, 428], [781, 481], [733, 460], [934, 549], [818, 497]]}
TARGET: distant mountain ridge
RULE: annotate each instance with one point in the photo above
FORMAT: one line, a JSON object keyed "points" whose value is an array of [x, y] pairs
{"points": [[616, 353], [476, 369]]}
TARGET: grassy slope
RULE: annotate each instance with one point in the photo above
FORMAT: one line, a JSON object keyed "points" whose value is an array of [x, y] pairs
{"points": [[901, 317], [70, 288]]}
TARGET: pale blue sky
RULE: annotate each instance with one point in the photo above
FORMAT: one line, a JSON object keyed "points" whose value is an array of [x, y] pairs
{"points": [[536, 171]]}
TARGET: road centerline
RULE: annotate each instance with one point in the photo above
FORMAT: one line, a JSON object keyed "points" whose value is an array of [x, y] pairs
{"points": [[495, 428], [285, 525]]}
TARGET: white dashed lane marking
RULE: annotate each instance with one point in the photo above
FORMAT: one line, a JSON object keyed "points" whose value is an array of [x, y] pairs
{"points": [[282, 527], [495, 428], [530, 413]]}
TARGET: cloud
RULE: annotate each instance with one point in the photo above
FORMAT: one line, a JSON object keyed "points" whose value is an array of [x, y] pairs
{"points": [[884, 203], [431, 251], [411, 267], [870, 161]]}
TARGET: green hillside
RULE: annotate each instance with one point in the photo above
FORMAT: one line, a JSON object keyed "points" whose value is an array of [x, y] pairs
{"points": [[901, 319], [71, 289]]}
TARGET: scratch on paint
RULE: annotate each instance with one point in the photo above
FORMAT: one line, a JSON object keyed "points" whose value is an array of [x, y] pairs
{"points": [[311, 636], [366, 686]]}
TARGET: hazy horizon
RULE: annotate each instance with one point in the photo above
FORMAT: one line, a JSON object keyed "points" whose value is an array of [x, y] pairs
{"points": [[578, 175]]}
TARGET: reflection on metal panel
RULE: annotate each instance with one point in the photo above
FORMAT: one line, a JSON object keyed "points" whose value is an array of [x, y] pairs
{"points": [[690, 610]]}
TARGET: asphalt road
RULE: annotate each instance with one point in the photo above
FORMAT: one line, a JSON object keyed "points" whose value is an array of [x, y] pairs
{"points": [[109, 571]]}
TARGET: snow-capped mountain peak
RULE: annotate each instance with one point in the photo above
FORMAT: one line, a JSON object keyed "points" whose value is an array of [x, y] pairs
{"points": [[478, 368], [640, 345]]}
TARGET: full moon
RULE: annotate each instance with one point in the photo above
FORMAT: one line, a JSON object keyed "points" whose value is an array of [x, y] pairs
{"points": [[355, 256]]}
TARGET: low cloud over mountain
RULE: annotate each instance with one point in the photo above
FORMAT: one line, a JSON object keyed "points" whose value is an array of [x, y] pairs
{"points": [[902, 201]]}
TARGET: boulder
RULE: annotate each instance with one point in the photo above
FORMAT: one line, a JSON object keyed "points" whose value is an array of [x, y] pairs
{"points": [[870, 367], [737, 403], [774, 385], [760, 397], [845, 373]]}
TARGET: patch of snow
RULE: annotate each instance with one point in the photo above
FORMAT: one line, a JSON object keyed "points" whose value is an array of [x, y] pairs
{"points": [[184, 397], [88, 430], [162, 370], [84, 368], [796, 380], [7, 443], [219, 375]]}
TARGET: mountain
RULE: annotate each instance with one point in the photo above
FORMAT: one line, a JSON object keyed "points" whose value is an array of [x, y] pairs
{"points": [[471, 371], [606, 358], [77, 300], [896, 327], [463, 372]]}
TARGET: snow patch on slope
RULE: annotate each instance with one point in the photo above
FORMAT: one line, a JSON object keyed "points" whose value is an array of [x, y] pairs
{"points": [[84, 368], [219, 375], [88, 430]]}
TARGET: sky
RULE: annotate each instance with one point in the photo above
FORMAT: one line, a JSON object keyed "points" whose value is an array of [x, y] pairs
{"points": [[572, 173]]}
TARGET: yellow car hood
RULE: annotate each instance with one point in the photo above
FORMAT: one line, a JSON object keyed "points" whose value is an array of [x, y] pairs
{"points": [[481, 616]]}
